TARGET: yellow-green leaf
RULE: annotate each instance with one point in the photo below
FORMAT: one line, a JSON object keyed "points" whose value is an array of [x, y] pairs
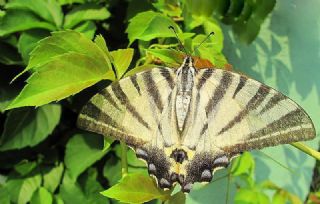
{"points": [[41, 196], [136, 188], [121, 60], [149, 25], [66, 75]]}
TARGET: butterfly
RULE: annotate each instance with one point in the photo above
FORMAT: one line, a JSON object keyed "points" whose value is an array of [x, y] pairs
{"points": [[187, 122]]}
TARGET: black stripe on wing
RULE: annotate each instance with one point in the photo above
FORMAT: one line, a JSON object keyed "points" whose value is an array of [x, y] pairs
{"points": [[92, 111], [252, 104], [152, 90], [206, 74], [240, 85], [122, 97], [167, 75], [133, 79], [219, 92], [272, 102], [291, 119], [105, 93]]}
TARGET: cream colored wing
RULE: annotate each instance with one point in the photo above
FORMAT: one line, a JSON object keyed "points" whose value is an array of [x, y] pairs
{"points": [[230, 114], [132, 109], [138, 111]]}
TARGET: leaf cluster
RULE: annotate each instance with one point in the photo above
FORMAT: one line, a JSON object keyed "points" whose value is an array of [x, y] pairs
{"points": [[44, 158]]}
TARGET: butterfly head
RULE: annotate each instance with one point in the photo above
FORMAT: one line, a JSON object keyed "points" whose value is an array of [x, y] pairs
{"points": [[188, 62]]}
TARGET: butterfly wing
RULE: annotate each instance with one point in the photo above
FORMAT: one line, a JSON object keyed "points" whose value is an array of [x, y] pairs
{"points": [[232, 114], [138, 111]]}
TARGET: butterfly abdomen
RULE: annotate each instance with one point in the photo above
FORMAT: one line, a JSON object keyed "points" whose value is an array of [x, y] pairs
{"points": [[185, 82]]}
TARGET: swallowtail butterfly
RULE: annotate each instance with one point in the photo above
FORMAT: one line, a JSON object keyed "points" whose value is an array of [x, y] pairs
{"points": [[187, 122]]}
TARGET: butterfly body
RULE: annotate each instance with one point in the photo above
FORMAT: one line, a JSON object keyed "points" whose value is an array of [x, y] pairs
{"points": [[185, 80], [186, 123]]}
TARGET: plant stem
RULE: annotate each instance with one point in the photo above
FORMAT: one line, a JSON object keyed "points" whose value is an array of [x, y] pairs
{"points": [[307, 150], [124, 161]]}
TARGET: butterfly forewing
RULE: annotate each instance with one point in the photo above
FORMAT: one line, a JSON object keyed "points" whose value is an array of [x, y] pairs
{"points": [[132, 108], [258, 116]]}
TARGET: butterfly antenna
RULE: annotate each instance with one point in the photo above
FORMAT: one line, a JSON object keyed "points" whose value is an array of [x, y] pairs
{"points": [[212, 33], [172, 28]]}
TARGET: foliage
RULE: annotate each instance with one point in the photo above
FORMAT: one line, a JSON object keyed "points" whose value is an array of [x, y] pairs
{"points": [[44, 158]]}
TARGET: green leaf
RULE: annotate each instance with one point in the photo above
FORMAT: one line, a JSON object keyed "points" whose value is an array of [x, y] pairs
{"points": [[236, 10], [85, 191], [64, 2], [167, 55], [4, 196], [41, 196], [112, 170], [210, 25], [9, 23], [70, 191], [178, 198], [243, 165], [52, 177], [279, 197], [57, 199], [47, 10], [28, 41], [92, 187], [133, 160], [107, 141], [66, 75], [281, 194], [170, 8], [140, 69], [22, 189], [101, 43], [121, 60], [28, 126], [25, 167], [65, 63], [88, 147], [88, 28], [131, 156], [250, 196], [136, 188], [248, 28], [65, 42], [203, 8], [208, 50], [219, 190], [149, 25], [85, 12]]}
